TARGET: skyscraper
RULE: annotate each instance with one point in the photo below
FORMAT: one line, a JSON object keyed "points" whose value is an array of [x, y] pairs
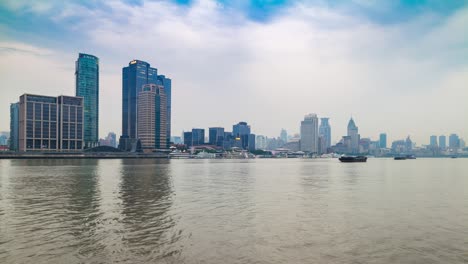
{"points": [[325, 133], [442, 142], [198, 136], [309, 133], [14, 127], [284, 135], [87, 86], [241, 132], [152, 117], [454, 142], [353, 133], [134, 76], [167, 84], [137, 74], [433, 141], [216, 136], [383, 140]]}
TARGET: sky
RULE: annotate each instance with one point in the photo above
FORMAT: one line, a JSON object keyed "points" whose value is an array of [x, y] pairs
{"points": [[399, 67]]}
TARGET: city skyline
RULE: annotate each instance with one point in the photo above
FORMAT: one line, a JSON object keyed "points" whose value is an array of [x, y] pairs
{"points": [[249, 73]]}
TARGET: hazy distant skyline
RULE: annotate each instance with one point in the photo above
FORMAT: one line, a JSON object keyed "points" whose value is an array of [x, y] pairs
{"points": [[399, 68]]}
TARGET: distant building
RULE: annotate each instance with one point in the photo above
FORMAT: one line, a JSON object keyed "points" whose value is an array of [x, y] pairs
{"points": [[383, 140], [251, 142], [198, 135], [216, 136], [442, 142], [309, 133], [454, 142], [284, 135], [353, 133], [241, 134], [188, 139], [110, 140], [433, 141], [50, 123], [87, 87], [408, 145], [177, 140], [325, 133], [167, 84], [260, 142], [399, 146], [14, 127], [152, 117]]}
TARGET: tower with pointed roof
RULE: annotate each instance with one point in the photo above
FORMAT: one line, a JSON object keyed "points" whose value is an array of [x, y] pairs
{"points": [[353, 133]]}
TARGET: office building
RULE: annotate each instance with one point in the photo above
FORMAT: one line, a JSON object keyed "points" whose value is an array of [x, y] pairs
{"points": [[260, 142], [152, 117], [14, 127], [284, 135], [454, 142], [87, 87], [442, 142], [433, 141], [325, 133], [50, 123], [167, 84], [309, 134], [241, 132], [198, 136], [216, 136], [383, 141], [353, 133]]}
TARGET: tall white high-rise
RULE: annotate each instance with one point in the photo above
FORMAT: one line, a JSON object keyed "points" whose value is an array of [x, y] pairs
{"points": [[309, 133], [325, 132], [354, 135]]}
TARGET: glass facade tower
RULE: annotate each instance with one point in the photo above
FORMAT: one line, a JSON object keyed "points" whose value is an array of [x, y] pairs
{"points": [[14, 127], [87, 86], [137, 74]]}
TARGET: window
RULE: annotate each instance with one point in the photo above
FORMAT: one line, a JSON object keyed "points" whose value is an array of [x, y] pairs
{"points": [[72, 144], [38, 111], [65, 131], [45, 112], [53, 144], [53, 113], [37, 129], [72, 130], [65, 144], [45, 130], [79, 145], [37, 144], [72, 113], [29, 143], [29, 129], [79, 131], [53, 130], [30, 111], [45, 144], [65, 113]]}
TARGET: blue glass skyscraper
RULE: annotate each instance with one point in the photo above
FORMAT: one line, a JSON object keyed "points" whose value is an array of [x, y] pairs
{"points": [[137, 74], [166, 82], [87, 86], [14, 126]]}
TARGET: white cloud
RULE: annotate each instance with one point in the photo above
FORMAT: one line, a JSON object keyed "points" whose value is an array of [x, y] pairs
{"points": [[226, 68]]}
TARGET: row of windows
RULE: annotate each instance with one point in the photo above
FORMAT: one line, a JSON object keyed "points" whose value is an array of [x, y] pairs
{"points": [[72, 114], [52, 144], [40, 129], [38, 111]]}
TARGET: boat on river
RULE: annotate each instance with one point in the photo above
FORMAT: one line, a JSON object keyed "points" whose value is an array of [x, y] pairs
{"points": [[353, 158]]}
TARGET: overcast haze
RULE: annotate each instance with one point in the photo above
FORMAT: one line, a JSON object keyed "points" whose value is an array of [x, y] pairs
{"points": [[395, 67]]}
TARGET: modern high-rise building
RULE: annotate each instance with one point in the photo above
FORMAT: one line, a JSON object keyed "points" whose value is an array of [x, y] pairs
{"points": [[454, 141], [309, 133], [433, 141], [241, 132], [353, 133], [14, 127], [442, 142], [167, 84], [134, 76], [216, 136], [152, 117], [260, 142], [284, 135], [198, 136], [87, 86], [50, 123], [325, 133], [383, 140], [188, 139]]}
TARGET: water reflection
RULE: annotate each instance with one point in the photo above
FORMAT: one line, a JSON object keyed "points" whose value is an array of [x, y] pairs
{"points": [[147, 196]]}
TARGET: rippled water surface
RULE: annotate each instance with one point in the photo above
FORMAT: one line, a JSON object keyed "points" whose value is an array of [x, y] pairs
{"points": [[234, 211]]}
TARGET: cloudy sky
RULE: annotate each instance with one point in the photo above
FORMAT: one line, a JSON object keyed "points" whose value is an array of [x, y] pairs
{"points": [[399, 67]]}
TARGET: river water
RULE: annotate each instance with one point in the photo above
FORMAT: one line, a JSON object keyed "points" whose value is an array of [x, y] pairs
{"points": [[234, 211]]}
